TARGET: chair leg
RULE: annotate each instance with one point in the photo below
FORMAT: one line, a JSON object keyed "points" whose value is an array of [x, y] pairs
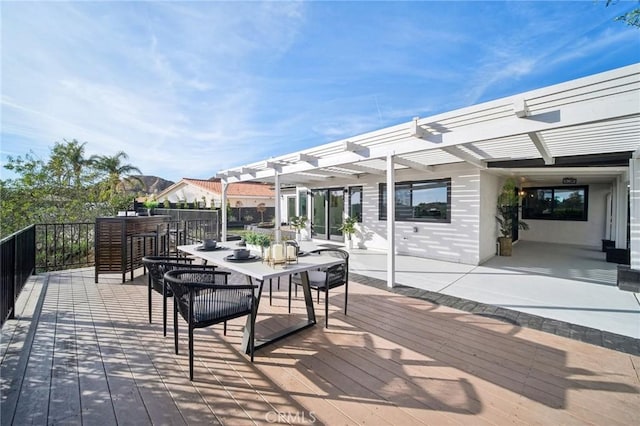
{"points": [[175, 325], [346, 295], [149, 297], [225, 328], [164, 309], [270, 296], [252, 336], [326, 307], [190, 352]]}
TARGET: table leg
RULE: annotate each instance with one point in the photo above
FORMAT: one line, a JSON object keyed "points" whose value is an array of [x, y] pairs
{"points": [[311, 318]]}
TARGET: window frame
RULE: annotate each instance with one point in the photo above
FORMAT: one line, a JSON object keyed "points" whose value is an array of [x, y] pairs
{"points": [[526, 211], [408, 185]]}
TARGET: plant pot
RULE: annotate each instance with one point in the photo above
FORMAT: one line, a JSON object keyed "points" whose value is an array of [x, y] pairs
{"points": [[607, 244], [628, 279], [506, 245], [618, 255]]}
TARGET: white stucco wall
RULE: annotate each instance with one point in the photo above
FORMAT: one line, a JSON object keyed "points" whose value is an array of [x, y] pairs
{"points": [[457, 241], [584, 233], [490, 185]]}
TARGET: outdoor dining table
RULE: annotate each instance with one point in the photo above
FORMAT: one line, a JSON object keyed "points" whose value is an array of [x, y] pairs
{"points": [[256, 269]]}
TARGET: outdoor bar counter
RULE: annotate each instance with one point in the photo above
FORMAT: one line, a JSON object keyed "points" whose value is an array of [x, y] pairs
{"points": [[122, 241]]}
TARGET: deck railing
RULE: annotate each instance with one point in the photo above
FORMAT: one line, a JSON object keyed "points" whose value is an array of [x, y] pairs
{"points": [[57, 246], [18, 260], [64, 246]]}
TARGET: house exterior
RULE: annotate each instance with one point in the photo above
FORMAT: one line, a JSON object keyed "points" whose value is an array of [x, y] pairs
{"points": [[208, 194], [573, 149]]}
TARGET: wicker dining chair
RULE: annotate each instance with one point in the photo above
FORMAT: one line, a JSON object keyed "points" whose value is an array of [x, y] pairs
{"points": [[326, 279], [204, 298], [157, 266]]}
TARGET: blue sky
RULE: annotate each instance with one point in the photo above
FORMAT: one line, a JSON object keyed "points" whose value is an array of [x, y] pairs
{"points": [[191, 88]]}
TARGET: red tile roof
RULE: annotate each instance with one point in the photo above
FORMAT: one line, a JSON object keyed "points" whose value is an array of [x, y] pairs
{"points": [[242, 189]]}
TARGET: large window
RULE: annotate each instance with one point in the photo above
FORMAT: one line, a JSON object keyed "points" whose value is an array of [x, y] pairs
{"points": [[355, 202], [423, 201], [555, 203]]}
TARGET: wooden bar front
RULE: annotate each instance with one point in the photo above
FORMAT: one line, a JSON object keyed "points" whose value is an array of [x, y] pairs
{"points": [[115, 250]]}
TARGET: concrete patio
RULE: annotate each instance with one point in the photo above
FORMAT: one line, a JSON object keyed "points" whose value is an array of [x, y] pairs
{"points": [[572, 284]]}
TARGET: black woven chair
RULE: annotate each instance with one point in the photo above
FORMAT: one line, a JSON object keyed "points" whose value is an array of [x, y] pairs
{"points": [[326, 279], [204, 298], [158, 266]]}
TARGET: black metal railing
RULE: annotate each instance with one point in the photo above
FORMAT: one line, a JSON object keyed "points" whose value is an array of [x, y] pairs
{"points": [[18, 259], [64, 245]]}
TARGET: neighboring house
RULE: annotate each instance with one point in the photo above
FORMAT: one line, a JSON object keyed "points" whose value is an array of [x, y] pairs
{"points": [[572, 147], [208, 194]]}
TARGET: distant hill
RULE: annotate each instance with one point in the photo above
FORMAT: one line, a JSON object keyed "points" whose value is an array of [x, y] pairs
{"points": [[152, 185]]}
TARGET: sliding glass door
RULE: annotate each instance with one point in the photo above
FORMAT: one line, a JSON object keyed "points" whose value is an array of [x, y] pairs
{"points": [[327, 208], [319, 209]]}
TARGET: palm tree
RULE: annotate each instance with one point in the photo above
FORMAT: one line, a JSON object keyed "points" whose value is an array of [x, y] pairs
{"points": [[67, 162], [115, 170]]}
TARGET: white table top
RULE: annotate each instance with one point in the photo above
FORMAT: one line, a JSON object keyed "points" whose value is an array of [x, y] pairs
{"points": [[258, 269]]}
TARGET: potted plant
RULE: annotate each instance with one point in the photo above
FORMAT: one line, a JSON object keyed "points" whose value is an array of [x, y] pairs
{"points": [[298, 223], [150, 204], [507, 205], [348, 228]]}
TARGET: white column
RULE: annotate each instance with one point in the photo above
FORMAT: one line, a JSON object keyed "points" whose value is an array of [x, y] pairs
{"points": [[634, 200], [621, 212], [276, 179], [223, 209], [391, 222]]}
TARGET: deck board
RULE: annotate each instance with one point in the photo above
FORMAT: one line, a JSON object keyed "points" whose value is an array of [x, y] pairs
{"points": [[95, 359]]}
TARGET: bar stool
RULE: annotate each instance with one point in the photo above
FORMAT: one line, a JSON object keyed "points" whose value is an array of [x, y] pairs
{"points": [[136, 240]]}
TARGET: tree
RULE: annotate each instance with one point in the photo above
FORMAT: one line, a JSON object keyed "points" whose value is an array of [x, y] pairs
{"points": [[64, 188], [630, 18], [68, 163], [114, 171]]}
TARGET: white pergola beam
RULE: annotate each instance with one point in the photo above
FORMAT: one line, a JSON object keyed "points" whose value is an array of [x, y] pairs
{"points": [[542, 147], [465, 156], [306, 158], [274, 166], [349, 146], [413, 164], [417, 131], [520, 108], [595, 110], [358, 168]]}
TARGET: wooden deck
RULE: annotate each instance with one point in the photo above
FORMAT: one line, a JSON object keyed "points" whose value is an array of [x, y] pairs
{"points": [[84, 353]]}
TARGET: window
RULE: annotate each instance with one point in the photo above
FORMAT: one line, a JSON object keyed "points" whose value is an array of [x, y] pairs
{"points": [[355, 203], [422, 201], [555, 203], [302, 203]]}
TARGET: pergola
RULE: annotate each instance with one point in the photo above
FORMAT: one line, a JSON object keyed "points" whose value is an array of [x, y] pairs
{"points": [[589, 127]]}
